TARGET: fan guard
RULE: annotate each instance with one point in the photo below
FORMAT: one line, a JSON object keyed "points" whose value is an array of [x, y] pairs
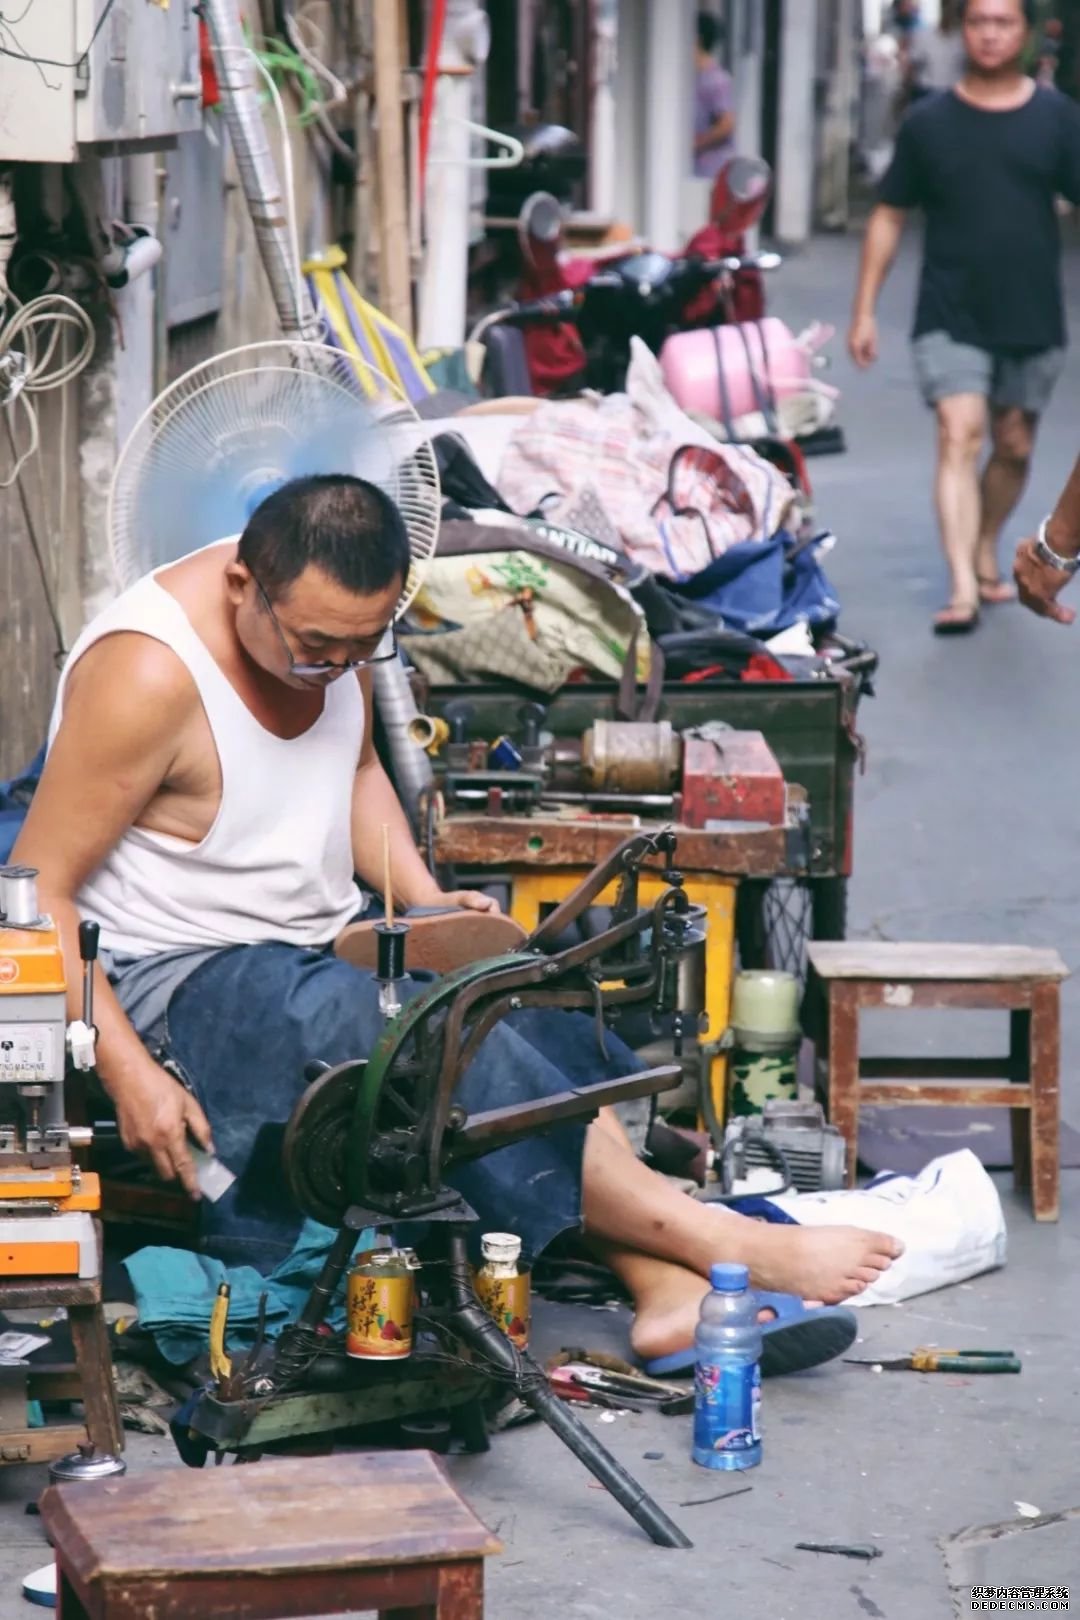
{"points": [[228, 432]]}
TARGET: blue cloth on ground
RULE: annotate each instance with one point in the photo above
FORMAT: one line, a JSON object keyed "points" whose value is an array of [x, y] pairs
{"points": [[763, 586], [175, 1293]]}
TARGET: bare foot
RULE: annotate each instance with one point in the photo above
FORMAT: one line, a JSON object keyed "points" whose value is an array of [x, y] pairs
{"points": [[831, 1263], [996, 591], [665, 1320]]}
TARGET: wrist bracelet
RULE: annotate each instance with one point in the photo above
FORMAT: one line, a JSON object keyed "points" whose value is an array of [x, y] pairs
{"points": [[1046, 553]]}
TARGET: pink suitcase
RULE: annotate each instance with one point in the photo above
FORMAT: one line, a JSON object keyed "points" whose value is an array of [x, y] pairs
{"points": [[762, 362]]}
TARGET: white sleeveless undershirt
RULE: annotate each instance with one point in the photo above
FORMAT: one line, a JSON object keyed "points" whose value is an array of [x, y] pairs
{"points": [[277, 863]]}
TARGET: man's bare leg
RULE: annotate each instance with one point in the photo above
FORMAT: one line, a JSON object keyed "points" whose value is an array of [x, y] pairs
{"points": [[961, 428], [1013, 439], [667, 1300], [630, 1207]]}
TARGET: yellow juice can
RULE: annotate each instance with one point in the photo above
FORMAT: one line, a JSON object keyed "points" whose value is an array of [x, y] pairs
{"points": [[380, 1298]]}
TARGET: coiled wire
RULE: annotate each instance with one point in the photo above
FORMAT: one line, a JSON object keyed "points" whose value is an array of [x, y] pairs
{"points": [[32, 361]]}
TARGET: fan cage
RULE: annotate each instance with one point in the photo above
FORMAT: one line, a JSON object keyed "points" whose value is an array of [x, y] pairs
{"points": [[266, 397]]}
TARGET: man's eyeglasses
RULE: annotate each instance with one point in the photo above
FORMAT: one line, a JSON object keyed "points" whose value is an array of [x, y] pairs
{"points": [[386, 649]]}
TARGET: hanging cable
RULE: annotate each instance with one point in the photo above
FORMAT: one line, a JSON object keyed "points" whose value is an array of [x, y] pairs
{"points": [[28, 363], [35, 546], [22, 55]]}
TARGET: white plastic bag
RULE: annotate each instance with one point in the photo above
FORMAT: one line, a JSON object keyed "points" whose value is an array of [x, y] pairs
{"points": [[949, 1218]]}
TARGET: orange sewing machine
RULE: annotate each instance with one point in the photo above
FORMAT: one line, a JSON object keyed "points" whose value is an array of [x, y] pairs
{"points": [[46, 1201]]}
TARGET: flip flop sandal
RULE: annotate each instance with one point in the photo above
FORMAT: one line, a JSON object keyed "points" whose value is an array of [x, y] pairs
{"points": [[995, 592], [438, 942], [966, 620], [796, 1339]]}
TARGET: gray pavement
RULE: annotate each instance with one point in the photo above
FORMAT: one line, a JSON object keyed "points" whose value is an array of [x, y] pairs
{"points": [[964, 830]]}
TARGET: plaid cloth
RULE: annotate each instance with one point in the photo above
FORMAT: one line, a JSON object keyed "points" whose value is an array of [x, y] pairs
{"points": [[677, 498]]}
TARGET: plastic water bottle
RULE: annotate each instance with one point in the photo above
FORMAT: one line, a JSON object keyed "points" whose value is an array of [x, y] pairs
{"points": [[727, 1382]]}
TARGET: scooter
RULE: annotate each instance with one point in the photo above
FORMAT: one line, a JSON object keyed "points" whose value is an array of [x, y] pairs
{"points": [[702, 313], [626, 291], [639, 296]]}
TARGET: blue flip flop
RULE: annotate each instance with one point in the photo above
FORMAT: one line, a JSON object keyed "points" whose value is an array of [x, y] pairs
{"points": [[796, 1338]]}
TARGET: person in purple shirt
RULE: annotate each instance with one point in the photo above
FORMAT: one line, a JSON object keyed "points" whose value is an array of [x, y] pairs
{"points": [[714, 116]]}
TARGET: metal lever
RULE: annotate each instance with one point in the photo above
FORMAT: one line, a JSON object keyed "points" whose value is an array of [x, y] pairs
{"points": [[81, 1034], [89, 936]]}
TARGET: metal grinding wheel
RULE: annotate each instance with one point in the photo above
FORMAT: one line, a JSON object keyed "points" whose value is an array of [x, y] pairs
{"points": [[316, 1141]]}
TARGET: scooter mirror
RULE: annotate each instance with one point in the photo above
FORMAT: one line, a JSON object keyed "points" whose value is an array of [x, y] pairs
{"points": [[540, 227], [740, 194]]}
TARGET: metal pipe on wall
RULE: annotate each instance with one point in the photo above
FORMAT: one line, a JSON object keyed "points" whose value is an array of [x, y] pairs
{"points": [[258, 172]]}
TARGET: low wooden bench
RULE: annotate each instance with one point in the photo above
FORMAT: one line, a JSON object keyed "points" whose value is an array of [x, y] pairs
{"points": [[852, 976], [288, 1537]]}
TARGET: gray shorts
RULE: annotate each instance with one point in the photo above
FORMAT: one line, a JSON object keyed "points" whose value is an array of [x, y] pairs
{"points": [[1009, 381]]}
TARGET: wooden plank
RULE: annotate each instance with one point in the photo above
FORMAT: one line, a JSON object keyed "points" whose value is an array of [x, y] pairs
{"points": [[395, 290], [94, 1358], [946, 1096], [1046, 1105], [540, 841], [58, 1382], [878, 959], [37, 1293], [424, 1591], [287, 1515], [843, 1080], [41, 1445], [935, 1068], [969, 995], [50, 488]]}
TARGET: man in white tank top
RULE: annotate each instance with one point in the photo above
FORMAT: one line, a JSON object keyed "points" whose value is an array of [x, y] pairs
{"points": [[210, 790]]}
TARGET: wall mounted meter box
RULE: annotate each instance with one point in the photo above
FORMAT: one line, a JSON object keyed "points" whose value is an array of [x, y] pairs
{"points": [[97, 75]]}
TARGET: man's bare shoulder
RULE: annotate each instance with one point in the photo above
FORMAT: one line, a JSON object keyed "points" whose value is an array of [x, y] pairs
{"points": [[127, 673]]}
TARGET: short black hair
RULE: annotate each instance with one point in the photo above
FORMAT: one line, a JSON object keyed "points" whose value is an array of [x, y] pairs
{"points": [[1029, 8], [710, 31], [346, 526]]}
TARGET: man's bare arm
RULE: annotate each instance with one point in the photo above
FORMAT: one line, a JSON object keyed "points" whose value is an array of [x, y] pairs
{"points": [[717, 133], [1041, 584], [882, 239], [123, 707]]}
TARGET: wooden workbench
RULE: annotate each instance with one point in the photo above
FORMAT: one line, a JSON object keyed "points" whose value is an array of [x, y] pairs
{"points": [[740, 850]]}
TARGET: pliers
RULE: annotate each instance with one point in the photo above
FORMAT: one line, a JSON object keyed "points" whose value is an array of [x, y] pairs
{"points": [[947, 1361]]}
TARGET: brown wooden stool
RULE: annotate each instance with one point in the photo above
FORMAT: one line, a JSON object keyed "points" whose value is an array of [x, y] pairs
{"points": [[854, 975], [90, 1380], [297, 1536]]}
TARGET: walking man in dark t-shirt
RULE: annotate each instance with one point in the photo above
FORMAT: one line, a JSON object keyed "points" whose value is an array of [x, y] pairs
{"points": [[985, 162]]}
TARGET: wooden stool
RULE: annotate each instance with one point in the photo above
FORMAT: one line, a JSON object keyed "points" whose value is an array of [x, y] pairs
{"points": [[90, 1380], [1024, 983], [298, 1536]]}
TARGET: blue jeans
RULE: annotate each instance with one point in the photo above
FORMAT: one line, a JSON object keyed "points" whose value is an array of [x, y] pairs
{"points": [[240, 1031]]}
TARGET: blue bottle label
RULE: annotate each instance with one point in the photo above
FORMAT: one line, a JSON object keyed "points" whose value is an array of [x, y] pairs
{"points": [[727, 1410]]}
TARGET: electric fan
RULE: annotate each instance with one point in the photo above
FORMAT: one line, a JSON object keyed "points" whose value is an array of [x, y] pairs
{"points": [[232, 430]]}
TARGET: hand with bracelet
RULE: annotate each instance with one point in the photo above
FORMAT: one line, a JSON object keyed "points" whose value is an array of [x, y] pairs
{"points": [[1046, 564]]}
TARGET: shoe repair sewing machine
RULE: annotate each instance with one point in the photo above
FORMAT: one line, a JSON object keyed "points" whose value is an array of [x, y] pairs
{"points": [[46, 1201], [371, 1141]]}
